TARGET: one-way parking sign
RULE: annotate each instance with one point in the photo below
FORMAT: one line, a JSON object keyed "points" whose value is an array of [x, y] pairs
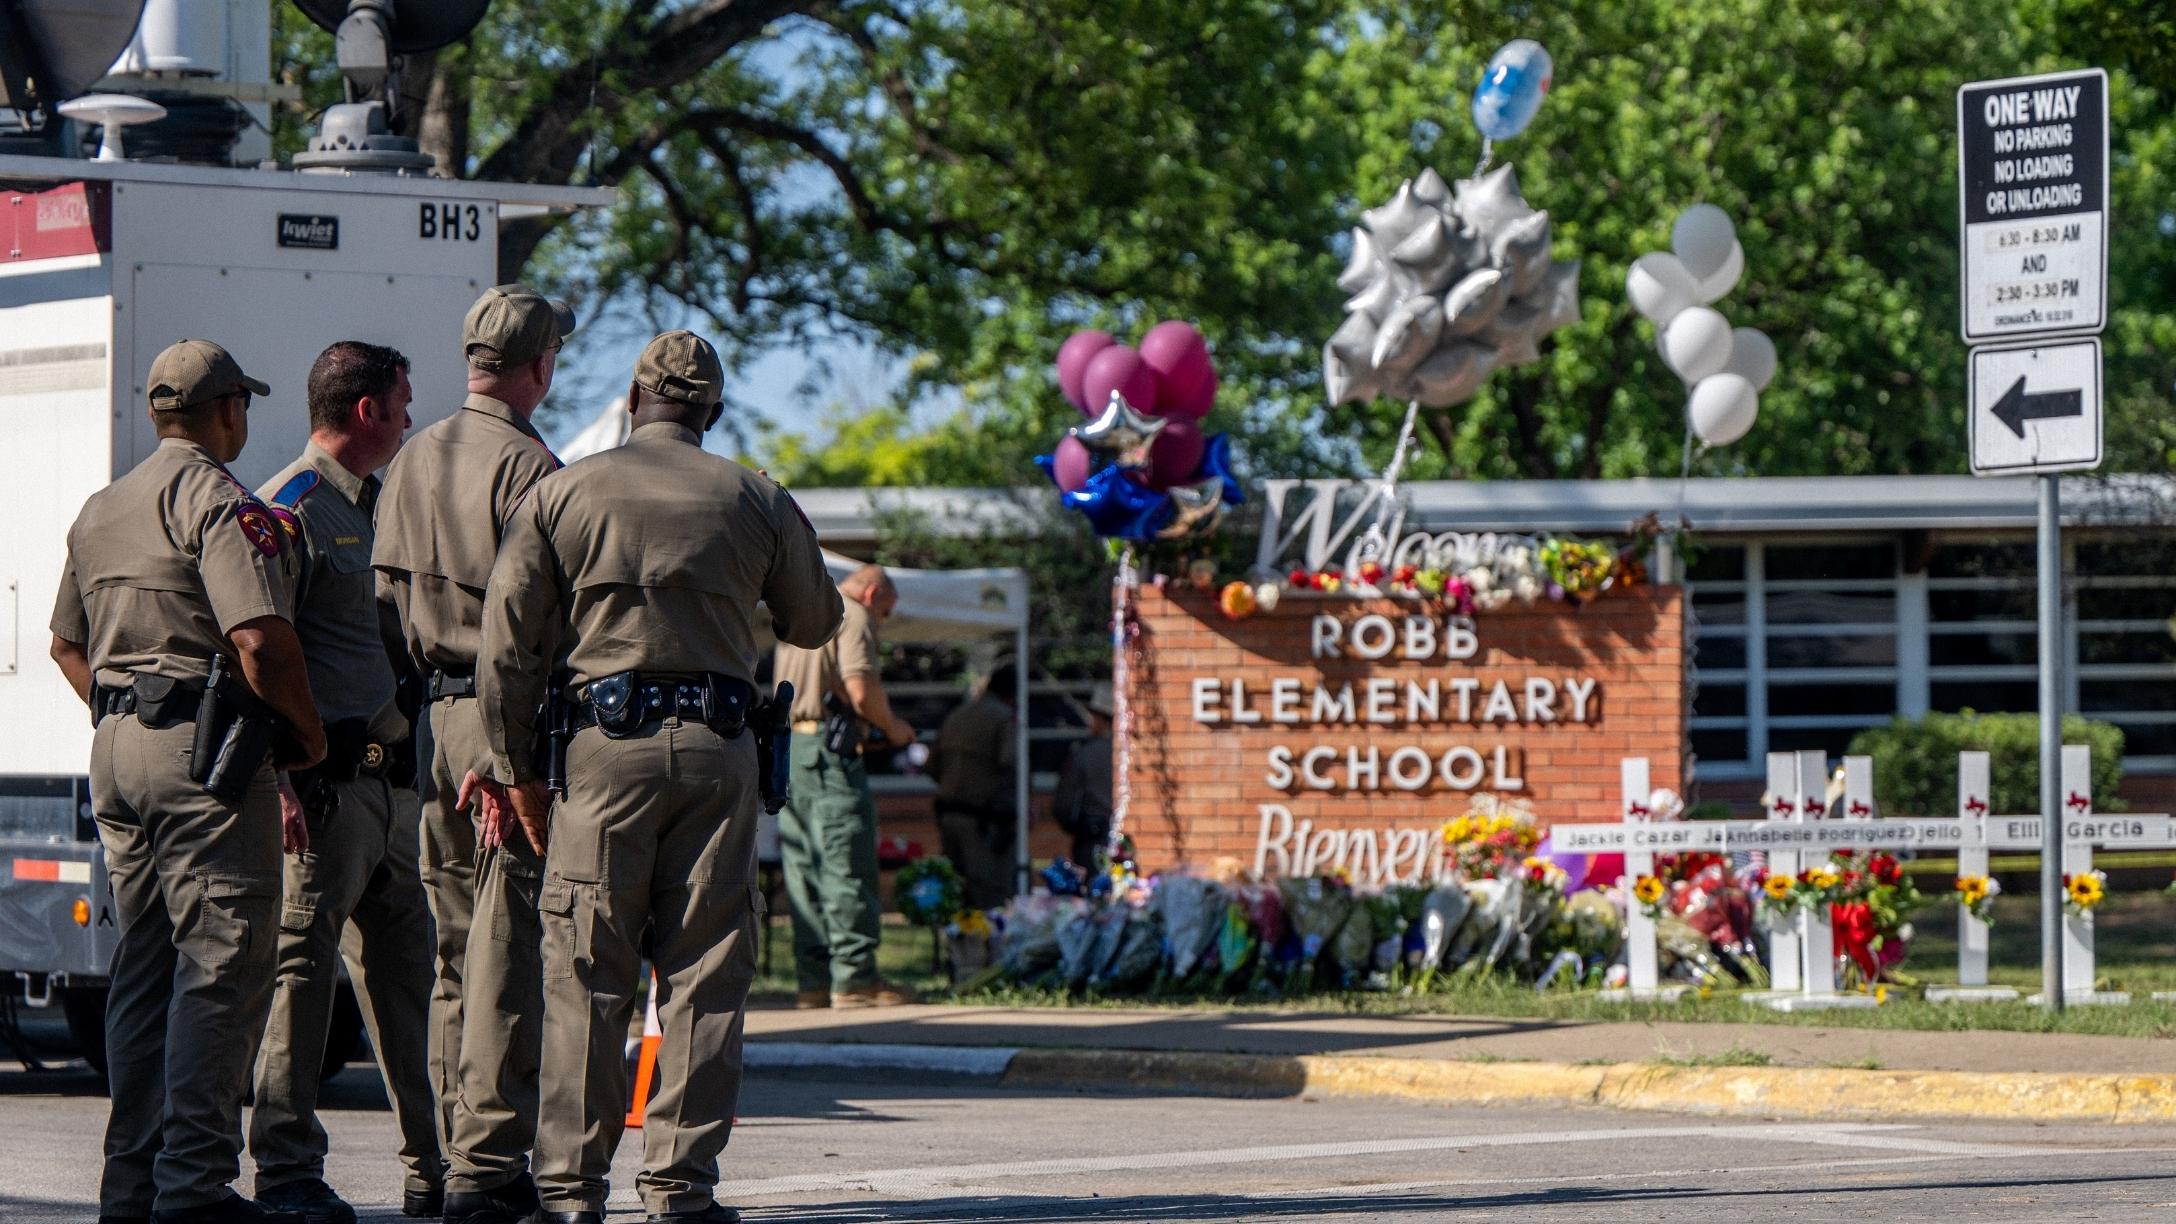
{"points": [[2036, 408], [2032, 178]]}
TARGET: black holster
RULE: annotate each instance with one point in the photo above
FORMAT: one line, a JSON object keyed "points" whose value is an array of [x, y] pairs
{"points": [[842, 727], [555, 730], [234, 734], [773, 726], [318, 787]]}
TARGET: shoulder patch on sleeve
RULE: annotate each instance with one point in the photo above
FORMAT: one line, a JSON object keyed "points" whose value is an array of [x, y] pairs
{"points": [[297, 487], [259, 527]]}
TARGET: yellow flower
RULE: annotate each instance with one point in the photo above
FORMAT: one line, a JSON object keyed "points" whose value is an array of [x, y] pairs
{"points": [[1821, 877], [972, 923], [1647, 890], [1971, 890], [2086, 890], [1778, 887]]}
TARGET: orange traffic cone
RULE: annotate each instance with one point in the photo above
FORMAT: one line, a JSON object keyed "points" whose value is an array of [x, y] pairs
{"points": [[646, 1061]]}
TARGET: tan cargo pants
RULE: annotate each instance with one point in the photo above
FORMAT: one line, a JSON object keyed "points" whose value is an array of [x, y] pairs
{"points": [[653, 848], [356, 892], [487, 1006], [196, 890]]}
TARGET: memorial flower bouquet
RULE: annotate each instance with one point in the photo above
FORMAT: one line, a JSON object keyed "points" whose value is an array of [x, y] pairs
{"points": [[2083, 892], [1650, 892], [928, 891], [1976, 895], [1317, 908], [1491, 838]]}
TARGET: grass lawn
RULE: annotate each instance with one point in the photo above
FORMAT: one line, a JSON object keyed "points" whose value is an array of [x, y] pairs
{"points": [[2135, 938]]}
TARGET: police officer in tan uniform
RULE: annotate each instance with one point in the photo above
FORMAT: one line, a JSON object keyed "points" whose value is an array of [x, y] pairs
{"points": [[178, 582], [636, 572], [448, 497], [362, 829]]}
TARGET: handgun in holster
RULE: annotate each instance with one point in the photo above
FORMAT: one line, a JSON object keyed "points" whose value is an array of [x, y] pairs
{"points": [[772, 723], [235, 731], [842, 726], [555, 730]]}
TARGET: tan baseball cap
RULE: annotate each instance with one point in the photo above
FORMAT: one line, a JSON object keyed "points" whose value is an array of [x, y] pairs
{"points": [[516, 321], [681, 365], [191, 373]]}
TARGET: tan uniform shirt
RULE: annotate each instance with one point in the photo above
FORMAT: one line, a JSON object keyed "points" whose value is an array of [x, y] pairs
{"points": [[336, 603], [851, 652], [973, 759], [448, 496], [164, 562], [646, 558]]}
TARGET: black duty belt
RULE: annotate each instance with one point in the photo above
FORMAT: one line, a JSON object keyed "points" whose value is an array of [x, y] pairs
{"points": [[452, 684], [623, 704], [157, 701]]}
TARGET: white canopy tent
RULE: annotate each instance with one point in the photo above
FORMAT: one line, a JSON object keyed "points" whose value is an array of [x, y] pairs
{"points": [[935, 606]]}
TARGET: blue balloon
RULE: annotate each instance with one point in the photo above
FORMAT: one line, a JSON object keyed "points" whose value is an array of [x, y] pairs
{"points": [[1119, 508], [1511, 88], [1216, 460]]}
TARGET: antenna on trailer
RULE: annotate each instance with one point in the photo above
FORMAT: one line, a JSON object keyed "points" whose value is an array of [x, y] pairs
{"points": [[369, 38], [113, 113]]}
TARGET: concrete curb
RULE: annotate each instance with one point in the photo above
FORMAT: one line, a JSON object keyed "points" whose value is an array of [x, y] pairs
{"points": [[1834, 1094]]}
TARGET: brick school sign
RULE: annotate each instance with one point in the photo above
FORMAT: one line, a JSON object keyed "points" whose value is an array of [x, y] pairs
{"points": [[1337, 731]]}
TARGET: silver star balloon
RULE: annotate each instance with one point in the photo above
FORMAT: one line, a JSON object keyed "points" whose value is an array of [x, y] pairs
{"points": [[1195, 509], [1121, 434], [1446, 283]]}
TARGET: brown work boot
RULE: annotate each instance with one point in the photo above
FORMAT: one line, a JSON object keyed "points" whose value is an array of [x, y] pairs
{"points": [[811, 1000], [879, 993]]}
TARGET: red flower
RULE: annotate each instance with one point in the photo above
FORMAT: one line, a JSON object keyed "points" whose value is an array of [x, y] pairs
{"points": [[1855, 932], [1300, 578], [1405, 575], [1886, 869], [1371, 573], [1851, 880]]}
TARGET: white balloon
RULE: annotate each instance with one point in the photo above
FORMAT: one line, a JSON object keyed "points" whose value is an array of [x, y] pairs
{"points": [[1752, 357], [1702, 237], [1659, 287], [1696, 343], [1718, 286], [1722, 408]]}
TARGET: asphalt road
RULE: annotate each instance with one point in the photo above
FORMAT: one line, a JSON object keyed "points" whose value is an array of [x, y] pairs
{"points": [[833, 1148]]}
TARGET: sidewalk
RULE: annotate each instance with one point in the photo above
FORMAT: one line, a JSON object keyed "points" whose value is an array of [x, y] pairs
{"points": [[1769, 1070]]}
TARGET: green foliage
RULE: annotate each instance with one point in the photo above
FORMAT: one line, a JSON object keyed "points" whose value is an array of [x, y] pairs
{"points": [[1915, 761], [960, 183]]}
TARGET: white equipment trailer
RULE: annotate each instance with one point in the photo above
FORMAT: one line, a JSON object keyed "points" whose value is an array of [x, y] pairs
{"points": [[102, 265]]}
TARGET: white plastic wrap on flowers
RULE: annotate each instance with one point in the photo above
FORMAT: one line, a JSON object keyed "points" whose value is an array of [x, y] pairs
{"points": [[1031, 926], [1448, 284], [1193, 914]]}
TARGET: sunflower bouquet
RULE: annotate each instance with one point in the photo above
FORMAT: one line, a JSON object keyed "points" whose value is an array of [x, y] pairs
{"points": [[2084, 891], [1976, 896], [1490, 840]]}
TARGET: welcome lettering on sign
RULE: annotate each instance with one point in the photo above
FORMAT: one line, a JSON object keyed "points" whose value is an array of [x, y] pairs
{"points": [[1341, 732]]}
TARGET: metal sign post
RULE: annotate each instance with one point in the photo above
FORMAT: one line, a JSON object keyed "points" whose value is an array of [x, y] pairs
{"points": [[2032, 207]]}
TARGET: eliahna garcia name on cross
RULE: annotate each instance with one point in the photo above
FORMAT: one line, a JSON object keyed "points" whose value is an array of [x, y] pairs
{"points": [[1290, 701]]}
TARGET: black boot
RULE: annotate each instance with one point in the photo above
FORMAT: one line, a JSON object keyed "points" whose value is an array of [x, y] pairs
{"points": [[512, 1203], [234, 1209], [713, 1214], [311, 1199], [578, 1216], [426, 1204]]}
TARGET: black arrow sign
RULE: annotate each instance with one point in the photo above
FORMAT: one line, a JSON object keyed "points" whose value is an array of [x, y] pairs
{"points": [[2016, 407]]}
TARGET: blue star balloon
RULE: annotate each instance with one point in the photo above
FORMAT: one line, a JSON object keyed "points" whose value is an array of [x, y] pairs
{"points": [[1216, 461], [1118, 508]]}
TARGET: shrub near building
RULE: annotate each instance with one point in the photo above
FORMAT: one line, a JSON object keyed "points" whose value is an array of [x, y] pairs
{"points": [[1915, 760]]}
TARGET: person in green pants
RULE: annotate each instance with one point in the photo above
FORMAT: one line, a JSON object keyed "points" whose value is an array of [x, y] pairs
{"points": [[827, 832]]}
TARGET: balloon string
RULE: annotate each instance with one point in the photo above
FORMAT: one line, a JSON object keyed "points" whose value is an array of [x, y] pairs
{"points": [[1388, 494], [1122, 697], [1684, 479], [1488, 154]]}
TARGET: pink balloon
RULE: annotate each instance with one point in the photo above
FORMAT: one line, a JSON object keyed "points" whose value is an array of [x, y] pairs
{"points": [[1178, 354], [1175, 456], [1073, 357], [1193, 404], [1118, 368], [1072, 463]]}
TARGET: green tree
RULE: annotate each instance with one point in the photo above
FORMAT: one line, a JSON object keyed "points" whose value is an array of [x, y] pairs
{"points": [[962, 182]]}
